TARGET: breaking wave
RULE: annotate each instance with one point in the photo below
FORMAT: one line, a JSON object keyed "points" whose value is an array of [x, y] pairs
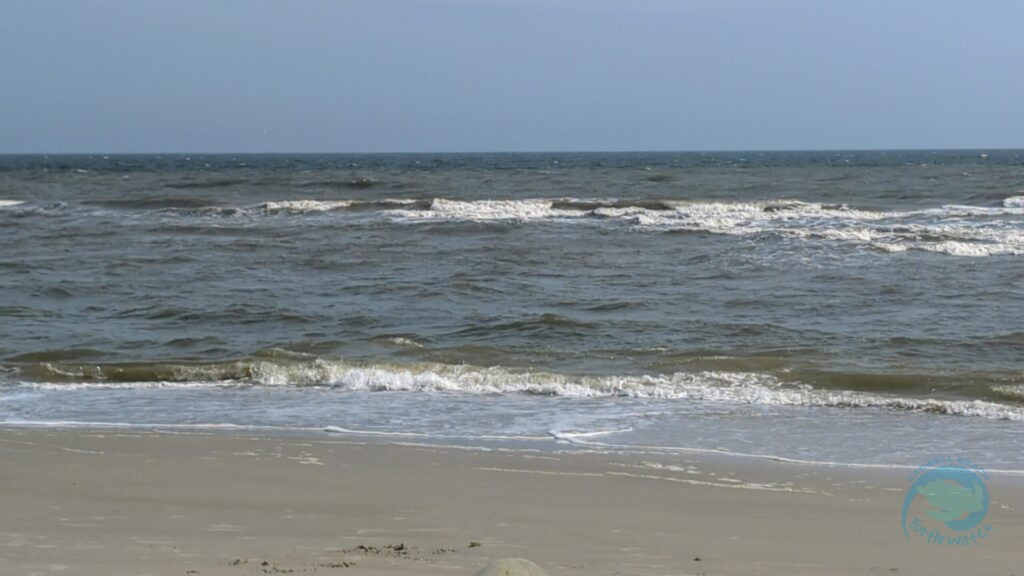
{"points": [[317, 206], [1010, 391], [306, 206], [954, 230], [707, 386]]}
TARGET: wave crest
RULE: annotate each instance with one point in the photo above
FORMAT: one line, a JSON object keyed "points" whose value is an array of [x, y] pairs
{"points": [[952, 230], [707, 386], [955, 230], [305, 206]]}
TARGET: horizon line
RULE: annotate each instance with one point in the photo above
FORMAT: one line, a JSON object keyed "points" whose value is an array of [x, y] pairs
{"points": [[463, 152]]}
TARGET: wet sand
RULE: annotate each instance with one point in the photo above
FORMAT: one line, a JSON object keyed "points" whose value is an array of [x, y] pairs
{"points": [[113, 502]]}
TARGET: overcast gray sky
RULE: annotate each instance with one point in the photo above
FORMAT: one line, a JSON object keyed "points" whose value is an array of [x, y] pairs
{"points": [[509, 75]]}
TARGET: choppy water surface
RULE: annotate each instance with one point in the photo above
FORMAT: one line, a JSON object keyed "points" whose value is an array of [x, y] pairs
{"points": [[864, 307]]}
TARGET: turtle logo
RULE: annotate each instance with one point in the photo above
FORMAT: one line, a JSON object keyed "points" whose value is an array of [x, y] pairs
{"points": [[954, 495]]}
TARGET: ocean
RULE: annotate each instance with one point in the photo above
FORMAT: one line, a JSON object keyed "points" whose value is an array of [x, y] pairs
{"points": [[843, 307]]}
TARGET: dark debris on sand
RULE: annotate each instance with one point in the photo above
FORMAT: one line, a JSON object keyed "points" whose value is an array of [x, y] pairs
{"points": [[395, 551]]}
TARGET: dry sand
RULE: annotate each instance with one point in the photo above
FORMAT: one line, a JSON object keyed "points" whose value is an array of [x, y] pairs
{"points": [[131, 503]]}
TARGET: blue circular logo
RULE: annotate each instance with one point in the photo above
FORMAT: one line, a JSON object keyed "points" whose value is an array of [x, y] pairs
{"points": [[955, 496]]}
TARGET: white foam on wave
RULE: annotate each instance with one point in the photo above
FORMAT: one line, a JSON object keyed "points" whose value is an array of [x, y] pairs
{"points": [[578, 436], [1014, 202], [404, 342], [954, 248], [955, 230], [728, 387], [312, 206], [1012, 391], [10, 203], [708, 386], [384, 433], [741, 217], [487, 210], [305, 206]]}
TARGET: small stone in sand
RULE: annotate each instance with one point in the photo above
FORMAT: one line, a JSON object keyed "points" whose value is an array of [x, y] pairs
{"points": [[474, 544], [512, 567]]}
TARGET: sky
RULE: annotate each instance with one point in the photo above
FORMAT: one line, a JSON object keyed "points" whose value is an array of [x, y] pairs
{"points": [[509, 75]]}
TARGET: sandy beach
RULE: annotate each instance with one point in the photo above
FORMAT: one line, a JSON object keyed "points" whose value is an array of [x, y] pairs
{"points": [[117, 502]]}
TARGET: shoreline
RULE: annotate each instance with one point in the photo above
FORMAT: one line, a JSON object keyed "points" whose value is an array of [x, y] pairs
{"points": [[550, 443], [128, 501]]}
